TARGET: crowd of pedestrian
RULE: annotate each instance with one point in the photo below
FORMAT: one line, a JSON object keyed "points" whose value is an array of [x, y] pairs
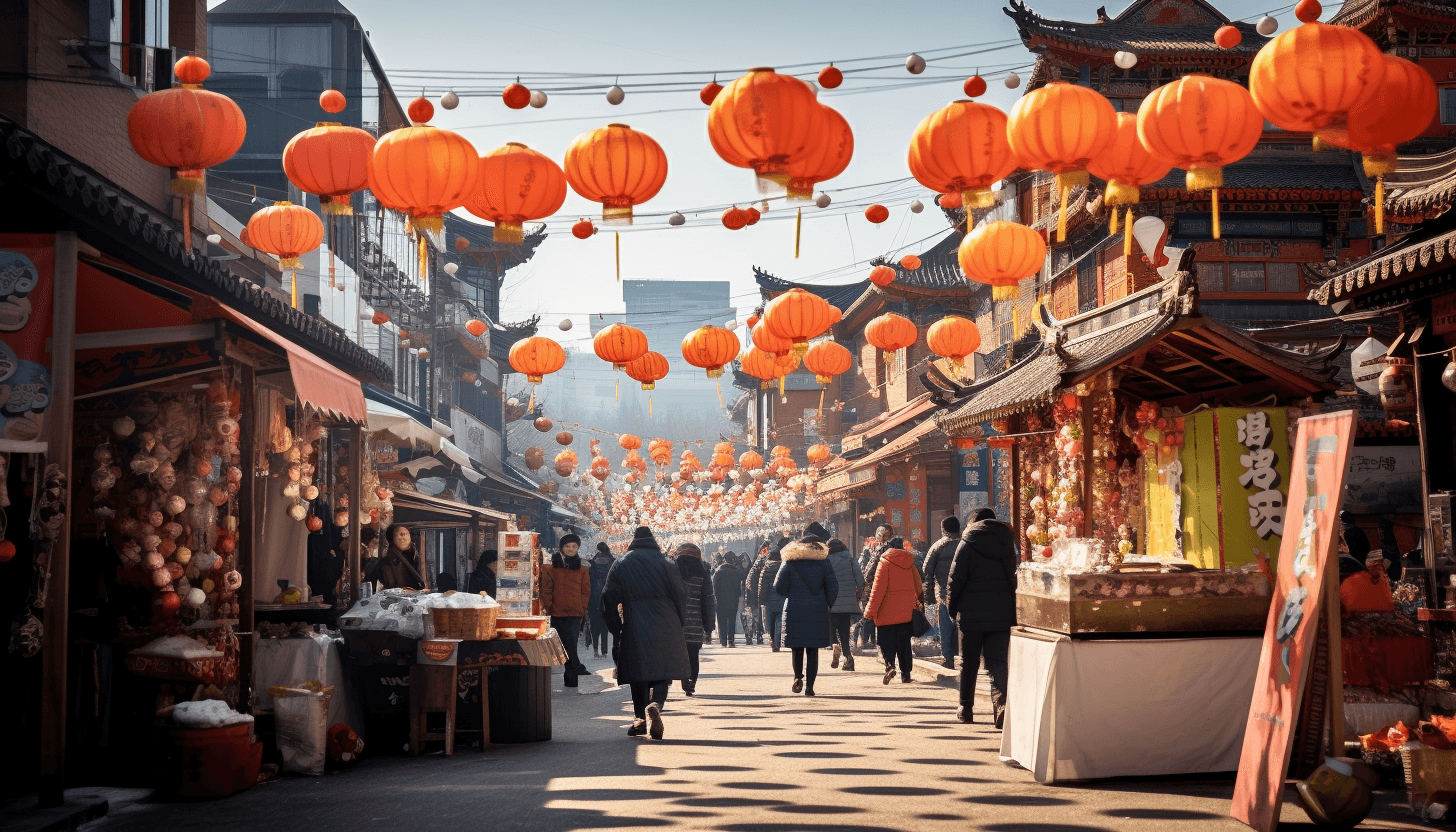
{"points": [[652, 613]]}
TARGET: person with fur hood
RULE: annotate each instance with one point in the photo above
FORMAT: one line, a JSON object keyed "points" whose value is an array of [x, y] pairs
{"points": [[896, 594], [565, 592], [808, 586], [770, 600], [698, 625], [645, 605], [845, 607]]}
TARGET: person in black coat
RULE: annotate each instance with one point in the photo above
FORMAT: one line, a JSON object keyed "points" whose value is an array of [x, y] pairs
{"points": [[808, 586], [651, 649], [728, 590], [982, 594], [601, 563], [771, 602], [482, 578], [701, 610], [751, 593], [936, 572]]}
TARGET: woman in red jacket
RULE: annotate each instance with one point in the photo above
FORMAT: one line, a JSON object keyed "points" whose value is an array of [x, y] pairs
{"points": [[565, 591], [896, 594]]}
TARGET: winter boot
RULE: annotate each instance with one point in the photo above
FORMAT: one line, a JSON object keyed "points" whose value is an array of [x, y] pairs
{"points": [[849, 663], [889, 673], [798, 684], [834, 662], [654, 721], [637, 728]]}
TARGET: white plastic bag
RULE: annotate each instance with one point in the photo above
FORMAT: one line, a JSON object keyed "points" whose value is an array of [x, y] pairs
{"points": [[302, 717]]}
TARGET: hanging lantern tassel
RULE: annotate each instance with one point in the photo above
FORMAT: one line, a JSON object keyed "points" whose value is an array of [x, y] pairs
{"points": [[1127, 235], [649, 405], [332, 283], [531, 405], [781, 387], [617, 394], [424, 260], [1215, 214], [618, 237], [1112, 220], [293, 275], [821, 400], [1380, 205], [1065, 181], [798, 230], [719, 385]]}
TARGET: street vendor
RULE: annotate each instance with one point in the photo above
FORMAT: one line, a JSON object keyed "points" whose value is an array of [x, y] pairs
{"points": [[399, 566], [1369, 589], [565, 591]]}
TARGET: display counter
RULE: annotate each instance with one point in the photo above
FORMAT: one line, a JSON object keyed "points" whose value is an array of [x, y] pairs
{"points": [[1141, 599], [1088, 709]]}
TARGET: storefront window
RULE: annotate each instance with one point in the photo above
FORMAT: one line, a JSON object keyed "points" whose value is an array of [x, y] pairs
{"points": [[1284, 277], [1213, 277], [1246, 277]]}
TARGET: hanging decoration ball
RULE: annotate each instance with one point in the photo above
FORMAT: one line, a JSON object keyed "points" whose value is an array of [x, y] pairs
{"points": [[830, 77], [1308, 11], [1012, 80], [7, 551], [963, 149], [1037, 131], [380, 318], [1266, 26], [420, 110], [516, 185], [710, 347], [461, 244], [916, 206], [877, 213], [891, 332], [563, 438], [1124, 59], [583, 228], [910, 262], [914, 64], [619, 345], [1309, 78], [516, 96], [952, 200], [826, 360], [1002, 254], [450, 100], [536, 357], [882, 275], [751, 215], [565, 325], [475, 327], [618, 167], [953, 337], [676, 219], [1228, 36], [649, 368], [734, 218], [186, 128], [1448, 380], [331, 161], [452, 268], [332, 101], [709, 93], [763, 121], [822, 200], [615, 95], [542, 424], [798, 316], [974, 86], [538, 99]]}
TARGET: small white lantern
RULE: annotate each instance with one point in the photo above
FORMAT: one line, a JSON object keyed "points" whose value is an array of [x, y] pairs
{"points": [[916, 206], [1266, 26], [822, 200], [676, 219], [538, 99], [914, 64], [1125, 60], [1012, 81], [615, 95], [450, 100]]}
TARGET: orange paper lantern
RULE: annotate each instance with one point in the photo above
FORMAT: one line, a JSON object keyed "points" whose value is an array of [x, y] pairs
{"points": [[536, 358], [629, 442], [882, 275], [476, 328], [734, 218], [891, 332], [380, 318], [770, 343], [1228, 36], [751, 215], [332, 161], [332, 101], [763, 366], [910, 262], [798, 316], [709, 93], [962, 149], [186, 128], [953, 337], [1060, 128], [877, 214], [582, 229], [1002, 254], [710, 347], [750, 460], [420, 110], [830, 77], [974, 86], [648, 369], [1309, 78], [1200, 124], [824, 159], [288, 231], [619, 345], [424, 172], [618, 167], [819, 454], [826, 360], [516, 96], [1126, 165], [516, 185], [764, 121]]}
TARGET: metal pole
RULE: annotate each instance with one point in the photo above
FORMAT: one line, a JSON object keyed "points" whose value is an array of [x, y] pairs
{"points": [[356, 502], [58, 452]]}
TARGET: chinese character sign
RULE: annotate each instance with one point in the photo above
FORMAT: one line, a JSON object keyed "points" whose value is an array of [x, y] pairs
{"points": [[25, 324], [1320, 454], [1235, 484]]}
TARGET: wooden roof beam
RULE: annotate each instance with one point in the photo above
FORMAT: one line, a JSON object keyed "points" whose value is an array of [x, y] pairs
{"points": [[1207, 365], [1160, 378]]}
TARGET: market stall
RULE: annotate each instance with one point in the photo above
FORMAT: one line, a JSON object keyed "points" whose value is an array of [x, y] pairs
{"points": [[1150, 461]]}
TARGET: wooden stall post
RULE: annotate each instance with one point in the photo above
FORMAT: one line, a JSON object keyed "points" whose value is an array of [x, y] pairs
{"points": [[354, 565], [59, 419], [249, 526]]}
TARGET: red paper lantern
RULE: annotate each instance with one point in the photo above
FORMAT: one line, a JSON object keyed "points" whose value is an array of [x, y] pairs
{"points": [[1002, 254], [910, 262], [710, 347], [583, 228], [710, 92], [959, 151], [332, 101], [826, 360], [423, 171], [516, 185], [830, 77], [953, 337], [891, 332], [516, 96], [186, 128], [974, 87], [420, 110], [536, 358], [824, 160], [618, 167], [798, 316], [476, 328], [764, 120], [877, 214], [1228, 36], [734, 218], [332, 161], [1059, 128], [648, 369], [882, 275], [619, 345]]}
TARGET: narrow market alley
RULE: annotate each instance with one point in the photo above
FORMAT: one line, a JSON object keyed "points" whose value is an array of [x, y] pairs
{"points": [[744, 754]]}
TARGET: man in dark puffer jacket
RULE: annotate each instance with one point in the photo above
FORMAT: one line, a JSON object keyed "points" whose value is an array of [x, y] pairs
{"points": [[936, 571], [983, 597]]}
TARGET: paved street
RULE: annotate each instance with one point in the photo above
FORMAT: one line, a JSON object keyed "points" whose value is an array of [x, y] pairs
{"points": [[745, 754]]}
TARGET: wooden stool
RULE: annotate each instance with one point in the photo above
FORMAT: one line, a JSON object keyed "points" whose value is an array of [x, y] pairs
{"points": [[434, 689]]}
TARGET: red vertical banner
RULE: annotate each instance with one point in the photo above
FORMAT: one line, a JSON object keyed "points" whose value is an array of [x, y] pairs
{"points": [[26, 287], [1317, 482]]}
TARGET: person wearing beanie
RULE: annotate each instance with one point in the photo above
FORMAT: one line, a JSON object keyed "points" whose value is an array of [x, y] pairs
{"points": [[982, 595], [482, 578], [645, 605], [808, 586], [768, 598], [702, 607], [565, 593], [846, 607], [936, 569], [600, 563], [728, 592], [896, 592]]}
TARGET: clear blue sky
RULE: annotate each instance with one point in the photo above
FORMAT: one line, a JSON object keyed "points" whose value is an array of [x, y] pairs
{"points": [[424, 43]]}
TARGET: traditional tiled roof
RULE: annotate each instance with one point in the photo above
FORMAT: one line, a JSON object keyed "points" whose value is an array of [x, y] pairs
{"points": [[504, 336], [939, 273], [1029, 382], [1422, 187], [840, 296], [1426, 247], [1359, 13], [1147, 27], [154, 241], [1268, 175]]}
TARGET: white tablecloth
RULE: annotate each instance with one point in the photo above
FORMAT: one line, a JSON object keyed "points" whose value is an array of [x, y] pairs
{"points": [[1088, 709], [290, 662]]}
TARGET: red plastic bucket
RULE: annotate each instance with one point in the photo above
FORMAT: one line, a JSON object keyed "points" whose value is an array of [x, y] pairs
{"points": [[216, 762]]}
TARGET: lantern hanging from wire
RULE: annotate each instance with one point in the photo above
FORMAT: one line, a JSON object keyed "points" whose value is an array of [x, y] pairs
{"points": [[954, 338], [764, 121], [822, 160], [1059, 128], [825, 360], [798, 316], [882, 275], [331, 161], [535, 358], [710, 347], [648, 369], [288, 231], [1126, 165], [1200, 124], [892, 333], [764, 339], [619, 345], [516, 185], [1002, 254], [962, 149], [618, 167]]}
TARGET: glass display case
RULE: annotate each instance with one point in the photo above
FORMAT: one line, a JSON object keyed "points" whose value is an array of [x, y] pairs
{"points": [[519, 567]]}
